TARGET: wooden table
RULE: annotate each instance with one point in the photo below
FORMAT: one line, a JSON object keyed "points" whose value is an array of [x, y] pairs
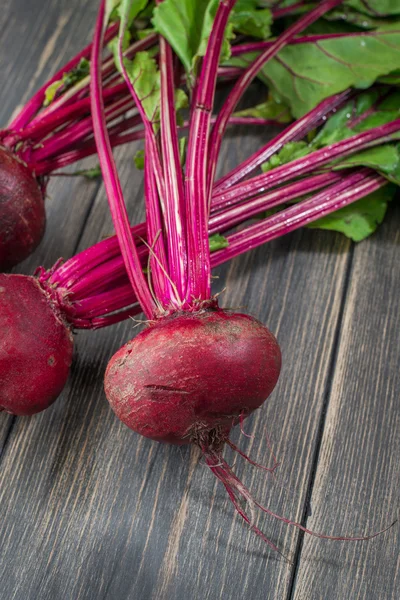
{"points": [[91, 511]]}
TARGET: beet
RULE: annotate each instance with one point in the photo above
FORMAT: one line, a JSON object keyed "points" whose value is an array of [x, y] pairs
{"points": [[22, 212], [193, 375], [35, 347]]}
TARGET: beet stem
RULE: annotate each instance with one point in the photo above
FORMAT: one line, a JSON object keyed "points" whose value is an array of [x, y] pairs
{"points": [[197, 211], [259, 46], [110, 176], [293, 132], [260, 183], [247, 77], [101, 268], [36, 102], [174, 190]]}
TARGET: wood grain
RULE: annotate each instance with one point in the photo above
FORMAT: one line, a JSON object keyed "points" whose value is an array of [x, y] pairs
{"points": [[29, 54], [357, 482], [90, 511]]}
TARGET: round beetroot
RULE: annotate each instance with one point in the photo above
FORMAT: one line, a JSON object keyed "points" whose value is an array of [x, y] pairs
{"points": [[22, 213], [193, 374], [35, 347]]}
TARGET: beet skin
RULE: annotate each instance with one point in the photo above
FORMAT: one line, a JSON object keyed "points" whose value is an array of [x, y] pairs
{"points": [[22, 212], [192, 374], [35, 347]]}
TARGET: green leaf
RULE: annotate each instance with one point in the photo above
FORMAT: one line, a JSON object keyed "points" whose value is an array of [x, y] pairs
{"points": [[125, 9], [51, 91], [391, 79], [270, 109], [291, 151], [217, 241], [287, 3], [182, 149], [353, 17], [302, 75], [69, 79], [145, 76], [249, 18], [378, 109], [138, 159], [93, 173], [181, 102], [186, 24], [381, 158], [128, 10], [376, 8], [359, 220]]}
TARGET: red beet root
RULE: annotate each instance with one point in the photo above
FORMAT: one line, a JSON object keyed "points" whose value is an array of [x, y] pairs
{"points": [[22, 213], [35, 347], [190, 377]]}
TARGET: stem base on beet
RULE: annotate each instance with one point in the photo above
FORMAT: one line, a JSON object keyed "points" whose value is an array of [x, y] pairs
{"points": [[35, 347], [193, 372], [22, 213]]}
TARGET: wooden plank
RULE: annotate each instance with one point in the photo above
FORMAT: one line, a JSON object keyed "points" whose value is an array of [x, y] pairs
{"points": [[37, 37], [90, 510], [357, 482]]}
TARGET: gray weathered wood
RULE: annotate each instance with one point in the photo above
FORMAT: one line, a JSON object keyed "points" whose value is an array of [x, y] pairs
{"points": [[37, 38], [357, 482]]}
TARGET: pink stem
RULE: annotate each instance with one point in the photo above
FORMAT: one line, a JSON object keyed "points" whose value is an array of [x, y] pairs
{"points": [[260, 46], [155, 233], [260, 183], [231, 216], [101, 267], [82, 88], [295, 131], [65, 114], [36, 102], [111, 179], [288, 10], [174, 190], [247, 77], [199, 282], [351, 189], [77, 132]]}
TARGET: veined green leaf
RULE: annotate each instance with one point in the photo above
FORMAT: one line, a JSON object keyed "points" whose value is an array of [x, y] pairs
{"points": [[377, 109], [359, 220], [250, 19], [145, 77], [347, 15], [382, 158], [270, 109], [376, 8], [186, 24], [302, 75]]}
